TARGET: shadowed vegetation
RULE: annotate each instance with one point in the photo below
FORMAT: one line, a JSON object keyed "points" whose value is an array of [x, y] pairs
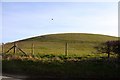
{"points": [[64, 67]]}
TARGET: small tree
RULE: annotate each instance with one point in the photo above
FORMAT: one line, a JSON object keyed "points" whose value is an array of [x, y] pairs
{"points": [[116, 47], [109, 47]]}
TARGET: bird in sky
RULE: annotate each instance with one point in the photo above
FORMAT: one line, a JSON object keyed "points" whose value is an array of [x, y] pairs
{"points": [[52, 19]]}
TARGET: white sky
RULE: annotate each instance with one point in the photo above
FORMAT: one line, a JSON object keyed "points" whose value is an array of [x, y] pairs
{"points": [[21, 20], [59, 0]]}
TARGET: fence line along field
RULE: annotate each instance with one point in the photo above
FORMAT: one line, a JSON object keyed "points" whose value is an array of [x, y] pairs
{"points": [[79, 44]]}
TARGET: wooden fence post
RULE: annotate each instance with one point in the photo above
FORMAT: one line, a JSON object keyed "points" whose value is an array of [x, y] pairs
{"points": [[66, 49], [14, 48], [32, 49]]}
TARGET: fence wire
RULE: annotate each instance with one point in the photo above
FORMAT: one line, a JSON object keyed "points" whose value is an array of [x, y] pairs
{"points": [[56, 48]]}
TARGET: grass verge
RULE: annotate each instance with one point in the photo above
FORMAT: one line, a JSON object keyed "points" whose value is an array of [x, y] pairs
{"points": [[64, 68]]}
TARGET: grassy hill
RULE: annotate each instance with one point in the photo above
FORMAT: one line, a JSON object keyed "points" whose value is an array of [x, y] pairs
{"points": [[71, 37], [78, 43]]}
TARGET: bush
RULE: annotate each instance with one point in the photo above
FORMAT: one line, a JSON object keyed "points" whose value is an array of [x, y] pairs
{"points": [[62, 57], [47, 56]]}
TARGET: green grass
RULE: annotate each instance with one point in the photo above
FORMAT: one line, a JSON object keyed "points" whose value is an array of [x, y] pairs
{"points": [[71, 37], [49, 58], [80, 44]]}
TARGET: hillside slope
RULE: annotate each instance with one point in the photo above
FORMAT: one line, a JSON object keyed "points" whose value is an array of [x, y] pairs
{"points": [[71, 37], [78, 43]]}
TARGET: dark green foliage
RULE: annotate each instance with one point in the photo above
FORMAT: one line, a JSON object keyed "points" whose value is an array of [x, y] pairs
{"points": [[94, 68], [47, 56], [109, 47], [62, 57]]}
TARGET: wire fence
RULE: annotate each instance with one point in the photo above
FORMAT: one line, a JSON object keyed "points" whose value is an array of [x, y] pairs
{"points": [[56, 48]]}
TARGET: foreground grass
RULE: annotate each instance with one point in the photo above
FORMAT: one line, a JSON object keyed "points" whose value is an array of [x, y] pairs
{"points": [[63, 67]]}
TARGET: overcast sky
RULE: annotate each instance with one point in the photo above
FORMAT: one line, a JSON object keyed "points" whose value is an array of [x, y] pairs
{"points": [[26, 19]]}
